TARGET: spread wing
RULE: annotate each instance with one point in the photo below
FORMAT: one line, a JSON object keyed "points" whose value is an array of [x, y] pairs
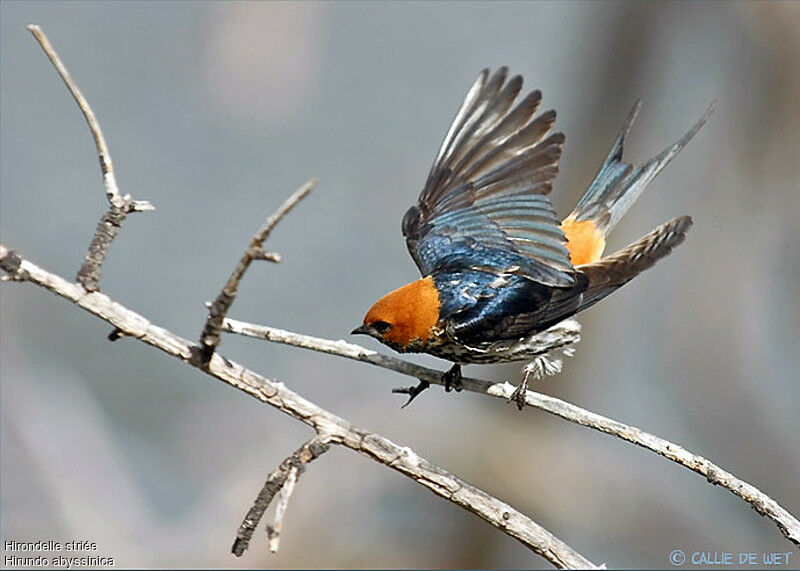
{"points": [[485, 204]]}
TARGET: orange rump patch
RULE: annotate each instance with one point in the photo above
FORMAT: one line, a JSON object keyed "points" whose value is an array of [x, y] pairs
{"points": [[585, 241], [412, 311]]}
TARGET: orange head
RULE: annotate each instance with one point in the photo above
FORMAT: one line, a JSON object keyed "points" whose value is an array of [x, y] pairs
{"points": [[404, 319]]}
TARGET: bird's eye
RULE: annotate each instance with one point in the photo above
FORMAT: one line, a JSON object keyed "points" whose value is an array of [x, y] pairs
{"points": [[381, 326]]}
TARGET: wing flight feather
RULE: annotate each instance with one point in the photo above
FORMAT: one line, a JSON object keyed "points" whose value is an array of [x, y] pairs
{"points": [[487, 189]]}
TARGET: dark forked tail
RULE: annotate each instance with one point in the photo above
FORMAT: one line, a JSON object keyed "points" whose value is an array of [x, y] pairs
{"points": [[617, 184], [614, 271]]}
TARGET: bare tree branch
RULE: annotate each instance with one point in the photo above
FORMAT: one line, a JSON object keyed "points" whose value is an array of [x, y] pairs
{"points": [[334, 428], [210, 338], [761, 502], [276, 483], [120, 206]]}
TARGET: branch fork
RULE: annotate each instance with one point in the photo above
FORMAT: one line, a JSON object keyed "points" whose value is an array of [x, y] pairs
{"points": [[276, 493], [119, 206], [210, 337]]}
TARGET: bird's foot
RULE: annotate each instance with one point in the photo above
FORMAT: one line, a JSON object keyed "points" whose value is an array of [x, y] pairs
{"points": [[452, 379], [542, 365], [535, 368], [412, 392], [519, 393]]}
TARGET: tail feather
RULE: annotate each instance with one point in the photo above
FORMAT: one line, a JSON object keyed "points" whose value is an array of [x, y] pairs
{"points": [[614, 271], [617, 184]]}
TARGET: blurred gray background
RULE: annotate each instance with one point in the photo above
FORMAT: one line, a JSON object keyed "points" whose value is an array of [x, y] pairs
{"points": [[217, 111]]}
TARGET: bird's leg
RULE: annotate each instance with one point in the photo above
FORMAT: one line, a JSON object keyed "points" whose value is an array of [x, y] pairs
{"points": [[522, 388], [452, 378], [549, 363], [412, 392]]}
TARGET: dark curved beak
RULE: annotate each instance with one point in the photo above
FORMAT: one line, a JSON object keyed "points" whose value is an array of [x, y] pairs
{"points": [[360, 330]]}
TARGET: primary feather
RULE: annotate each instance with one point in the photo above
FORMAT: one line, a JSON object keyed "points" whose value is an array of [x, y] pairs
{"points": [[485, 199]]}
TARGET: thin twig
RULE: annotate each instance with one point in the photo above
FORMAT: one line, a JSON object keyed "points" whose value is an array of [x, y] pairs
{"points": [[569, 334], [210, 338], [120, 206], [339, 431], [279, 505], [106, 164], [277, 483], [761, 502]]}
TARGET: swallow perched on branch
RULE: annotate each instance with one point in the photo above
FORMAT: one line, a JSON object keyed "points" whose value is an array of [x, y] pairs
{"points": [[500, 273]]}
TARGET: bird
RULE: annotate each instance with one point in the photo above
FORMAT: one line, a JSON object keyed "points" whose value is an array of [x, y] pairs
{"points": [[501, 275]]}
